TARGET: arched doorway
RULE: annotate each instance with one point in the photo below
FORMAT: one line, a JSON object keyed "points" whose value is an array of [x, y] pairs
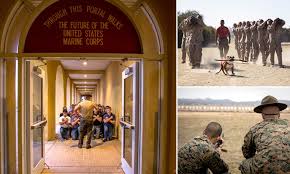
{"points": [[149, 57], [105, 33]]}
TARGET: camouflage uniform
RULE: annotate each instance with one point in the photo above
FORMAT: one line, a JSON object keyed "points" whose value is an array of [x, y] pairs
{"points": [[275, 31], [263, 41], [184, 27], [254, 43], [194, 42], [236, 34], [242, 42], [199, 155], [267, 148], [247, 42], [239, 34]]}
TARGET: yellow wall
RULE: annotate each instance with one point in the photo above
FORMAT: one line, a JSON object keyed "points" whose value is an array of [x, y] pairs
{"points": [[59, 93], [51, 77], [111, 90], [150, 110], [68, 92], [73, 93], [11, 111]]}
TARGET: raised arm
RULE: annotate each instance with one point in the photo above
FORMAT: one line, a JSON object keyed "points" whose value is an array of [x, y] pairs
{"points": [[281, 22], [253, 27], [181, 25], [262, 25], [201, 23]]}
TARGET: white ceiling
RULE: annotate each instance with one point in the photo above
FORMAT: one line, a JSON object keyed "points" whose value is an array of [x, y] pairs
{"points": [[86, 86], [85, 93], [82, 76], [90, 83], [91, 64]]}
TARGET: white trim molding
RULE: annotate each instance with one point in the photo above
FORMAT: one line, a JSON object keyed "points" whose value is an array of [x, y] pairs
{"points": [[155, 27]]}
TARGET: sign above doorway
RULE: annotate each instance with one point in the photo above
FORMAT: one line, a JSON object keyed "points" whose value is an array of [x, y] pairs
{"points": [[82, 26]]}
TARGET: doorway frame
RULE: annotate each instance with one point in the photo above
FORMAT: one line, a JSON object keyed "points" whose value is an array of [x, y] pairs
{"points": [[136, 89], [3, 140], [26, 132], [28, 113]]}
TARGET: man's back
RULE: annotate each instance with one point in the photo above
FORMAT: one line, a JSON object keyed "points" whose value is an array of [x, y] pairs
{"points": [[268, 143], [199, 155], [86, 109]]}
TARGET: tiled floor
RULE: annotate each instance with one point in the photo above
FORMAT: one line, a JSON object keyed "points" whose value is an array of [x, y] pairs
{"points": [[65, 157]]}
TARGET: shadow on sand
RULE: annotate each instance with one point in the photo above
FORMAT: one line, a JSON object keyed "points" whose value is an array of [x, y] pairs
{"points": [[238, 76], [286, 67]]}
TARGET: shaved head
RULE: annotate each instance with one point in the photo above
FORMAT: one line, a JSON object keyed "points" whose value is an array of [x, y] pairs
{"points": [[213, 130]]}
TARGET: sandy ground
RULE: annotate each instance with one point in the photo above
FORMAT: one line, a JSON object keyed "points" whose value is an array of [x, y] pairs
{"points": [[247, 74], [235, 126]]}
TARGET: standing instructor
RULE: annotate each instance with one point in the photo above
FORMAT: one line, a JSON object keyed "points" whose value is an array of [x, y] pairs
{"points": [[86, 108], [223, 38]]}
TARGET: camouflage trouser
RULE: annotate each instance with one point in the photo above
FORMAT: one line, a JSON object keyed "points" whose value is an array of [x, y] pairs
{"points": [[265, 166], [183, 49], [264, 51], [254, 51], [195, 53], [276, 47], [223, 47], [238, 48], [247, 50], [86, 126], [242, 49]]}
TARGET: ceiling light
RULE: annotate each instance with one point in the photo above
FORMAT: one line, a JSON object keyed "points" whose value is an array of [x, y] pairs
{"points": [[85, 82], [85, 76], [85, 63]]}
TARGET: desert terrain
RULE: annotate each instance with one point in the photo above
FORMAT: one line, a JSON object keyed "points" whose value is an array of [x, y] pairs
{"points": [[235, 126], [247, 74]]}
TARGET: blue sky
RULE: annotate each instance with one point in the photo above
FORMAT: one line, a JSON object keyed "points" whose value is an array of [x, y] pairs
{"points": [[241, 93], [239, 10]]}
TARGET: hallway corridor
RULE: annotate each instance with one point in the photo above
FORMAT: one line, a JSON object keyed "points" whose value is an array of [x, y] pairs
{"points": [[65, 157]]}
